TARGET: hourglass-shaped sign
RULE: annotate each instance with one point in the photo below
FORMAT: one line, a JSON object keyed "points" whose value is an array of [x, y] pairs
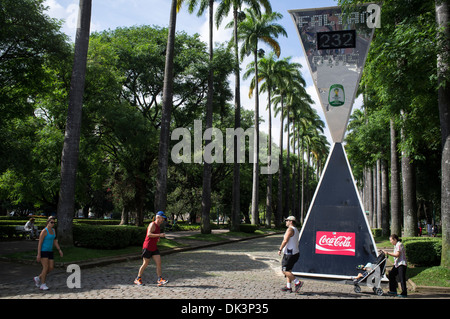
{"points": [[336, 236], [335, 43]]}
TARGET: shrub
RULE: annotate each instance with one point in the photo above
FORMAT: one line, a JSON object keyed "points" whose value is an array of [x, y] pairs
{"points": [[423, 251], [96, 221], [8, 231], [108, 237], [248, 228], [376, 232]]}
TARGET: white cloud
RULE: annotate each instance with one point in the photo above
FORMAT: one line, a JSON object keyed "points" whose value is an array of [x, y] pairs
{"points": [[69, 13]]}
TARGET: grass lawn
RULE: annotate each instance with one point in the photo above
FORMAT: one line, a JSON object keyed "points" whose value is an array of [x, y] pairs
{"points": [[74, 254], [422, 276], [429, 276]]}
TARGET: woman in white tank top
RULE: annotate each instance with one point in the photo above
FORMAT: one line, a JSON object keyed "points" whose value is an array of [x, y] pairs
{"points": [[289, 247]]}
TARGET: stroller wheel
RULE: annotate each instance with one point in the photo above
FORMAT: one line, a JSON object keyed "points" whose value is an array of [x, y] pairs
{"points": [[357, 289], [379, 291]]}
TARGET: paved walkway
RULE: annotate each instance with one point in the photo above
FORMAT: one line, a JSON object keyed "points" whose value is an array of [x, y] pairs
{"points": [[247, 269]]}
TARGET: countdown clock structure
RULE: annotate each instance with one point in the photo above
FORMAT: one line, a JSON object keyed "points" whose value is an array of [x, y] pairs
{"points": [[335, 236]]}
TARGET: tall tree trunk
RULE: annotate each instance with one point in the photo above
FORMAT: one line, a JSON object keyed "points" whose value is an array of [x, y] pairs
{"points": [[379, 198], [302, 204], [206, 192], [442, 18], [164, 139], [369, 182], [396, 218], [384, 198], [375, 197], [236, 205], [139, 200], [409, 193], [279, 214], [255, 184], [269, 203], [287, 198], [124, 215], [365, 192], [69, 158]]}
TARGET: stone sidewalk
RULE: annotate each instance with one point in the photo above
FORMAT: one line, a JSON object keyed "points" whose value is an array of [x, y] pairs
{"points": [[248, 269], [10, 271], [243, 268]]}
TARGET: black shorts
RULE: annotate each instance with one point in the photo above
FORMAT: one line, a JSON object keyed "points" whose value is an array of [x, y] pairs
{"points": [[47, 254], [289, 261], [148, 254]]}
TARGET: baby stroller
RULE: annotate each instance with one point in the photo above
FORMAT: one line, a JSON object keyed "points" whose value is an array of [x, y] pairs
{"points": [[373, 276]]}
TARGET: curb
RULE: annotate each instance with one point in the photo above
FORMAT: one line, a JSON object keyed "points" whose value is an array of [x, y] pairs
{"points": [[424, 289], [428, 289], [117, 259]]}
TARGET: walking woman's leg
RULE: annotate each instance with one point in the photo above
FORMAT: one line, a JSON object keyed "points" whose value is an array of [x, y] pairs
{"points": [[44, 272]]}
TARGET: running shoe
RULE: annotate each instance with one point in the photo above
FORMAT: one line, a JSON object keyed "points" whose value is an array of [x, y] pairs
{"points": [[138, 281], [162, 282], [37, 281], [286, 289], [43, 287], [392, 293], [298, 286]]}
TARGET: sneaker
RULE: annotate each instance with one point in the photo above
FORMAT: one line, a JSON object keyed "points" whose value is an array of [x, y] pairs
{"points": [[286, 289], [298, 286], [161, 282], [37, 281], [391, 293], [402, 296], [43, 287], [138, 281]]}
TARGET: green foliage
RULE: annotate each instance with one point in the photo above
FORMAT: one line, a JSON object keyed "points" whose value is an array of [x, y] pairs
{"points": [[30, 41], [400, 77], [108, 237], [423, 251], [376, 232], [248, 228]]}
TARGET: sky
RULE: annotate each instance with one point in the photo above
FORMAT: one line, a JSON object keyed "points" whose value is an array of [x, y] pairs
{"points": [[110, 14]]}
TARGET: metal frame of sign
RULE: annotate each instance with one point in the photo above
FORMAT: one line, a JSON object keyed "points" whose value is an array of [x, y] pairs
{"points": [[336, 235], [365, 243], [336, 71]]}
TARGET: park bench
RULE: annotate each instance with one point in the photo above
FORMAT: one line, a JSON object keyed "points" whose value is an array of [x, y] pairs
{"points": [[20, 230]]}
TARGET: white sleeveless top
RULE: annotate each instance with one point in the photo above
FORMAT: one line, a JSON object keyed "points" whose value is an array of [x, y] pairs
{"points": [[292, 246]]}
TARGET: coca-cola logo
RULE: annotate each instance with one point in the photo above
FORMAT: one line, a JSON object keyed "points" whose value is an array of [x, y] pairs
{"points": [[335, 243]]}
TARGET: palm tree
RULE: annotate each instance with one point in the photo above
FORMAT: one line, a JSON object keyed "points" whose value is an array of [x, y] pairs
{"points": [[207, 170], [253, 29], [267, 68], [298, 107], [297, 98], [163, 151], [223, 9], [289, 74], [69, 158]]}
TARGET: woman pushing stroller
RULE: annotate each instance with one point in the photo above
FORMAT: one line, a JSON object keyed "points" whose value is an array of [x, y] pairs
{"points": [[399, 268]]}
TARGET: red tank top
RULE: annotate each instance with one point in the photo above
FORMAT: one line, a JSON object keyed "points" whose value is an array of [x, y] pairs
{"points": [[150, 242]]}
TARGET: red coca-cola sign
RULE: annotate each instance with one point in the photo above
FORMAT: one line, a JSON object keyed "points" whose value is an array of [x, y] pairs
{"points": [[335, 243]]}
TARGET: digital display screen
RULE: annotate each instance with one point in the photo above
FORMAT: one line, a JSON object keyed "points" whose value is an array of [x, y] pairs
{"points": [[336, 40]]}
